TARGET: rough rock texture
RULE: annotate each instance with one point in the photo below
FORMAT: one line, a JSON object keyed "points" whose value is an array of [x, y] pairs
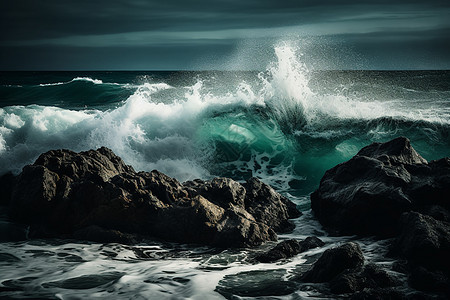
{"points": [[95, 195], [430, 281], [334, 261], [424, 240], [344, 270], [367, 194], [7, 182], [382, 294], [425, 243], [289, 248], [259, 199], [389, 190], [10, 232], [97, 234], [353, 280]]}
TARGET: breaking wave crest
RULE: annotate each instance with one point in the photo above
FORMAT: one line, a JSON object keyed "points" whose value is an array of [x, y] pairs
{"points": [[285, 125]]}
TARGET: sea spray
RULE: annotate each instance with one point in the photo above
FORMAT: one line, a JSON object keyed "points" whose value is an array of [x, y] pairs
{"points": [[285, 125]]}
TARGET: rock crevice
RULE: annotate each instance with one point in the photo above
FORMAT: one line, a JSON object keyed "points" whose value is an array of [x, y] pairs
{"points": [[95, 192]]}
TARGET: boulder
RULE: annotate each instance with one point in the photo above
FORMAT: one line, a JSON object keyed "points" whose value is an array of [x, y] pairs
{"points": [[383, 294], [334, 261], [97, 234], [7, 182], [273, 209], [425, 280], [367, 194], [94, 195], [370, 276], [10, 232], [310, 243], [344, 270], [256, 197], [424, 241], [289, 248]]}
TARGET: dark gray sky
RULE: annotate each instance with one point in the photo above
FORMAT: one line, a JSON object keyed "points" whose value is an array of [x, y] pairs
{"points": [[225, 34]]}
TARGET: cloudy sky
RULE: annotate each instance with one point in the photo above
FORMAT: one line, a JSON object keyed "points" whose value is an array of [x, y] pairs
{"points": [[225, 34]]}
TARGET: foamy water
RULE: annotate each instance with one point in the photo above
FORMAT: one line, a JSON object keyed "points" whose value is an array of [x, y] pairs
{"points": [[286, 125]]}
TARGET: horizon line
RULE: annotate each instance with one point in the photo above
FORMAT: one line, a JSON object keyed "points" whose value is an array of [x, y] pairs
{"points": [[217, 70]]}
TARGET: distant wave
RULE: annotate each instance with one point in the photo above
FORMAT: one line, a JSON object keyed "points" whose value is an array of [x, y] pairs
{"points": [[273, 125], [12, 85], [87, 79]]}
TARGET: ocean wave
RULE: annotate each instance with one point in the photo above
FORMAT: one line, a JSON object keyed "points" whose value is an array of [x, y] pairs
{"points": [[89, 80], [272, 125], [85, 79]]}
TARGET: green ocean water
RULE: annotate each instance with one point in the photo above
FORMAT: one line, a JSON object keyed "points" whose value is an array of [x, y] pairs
{"points": [[285, 125]]}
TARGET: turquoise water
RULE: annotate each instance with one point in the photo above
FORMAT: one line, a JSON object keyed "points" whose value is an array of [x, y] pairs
{"points": [[285, 125]]}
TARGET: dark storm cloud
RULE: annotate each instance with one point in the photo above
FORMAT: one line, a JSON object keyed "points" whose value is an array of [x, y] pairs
{"points": [[37, 30]]}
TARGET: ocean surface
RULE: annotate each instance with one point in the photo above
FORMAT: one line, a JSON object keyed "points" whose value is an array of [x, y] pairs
{"points": [[286, 125]]}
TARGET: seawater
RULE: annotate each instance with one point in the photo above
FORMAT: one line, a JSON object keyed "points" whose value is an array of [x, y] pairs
{"points": [[285, 125]]}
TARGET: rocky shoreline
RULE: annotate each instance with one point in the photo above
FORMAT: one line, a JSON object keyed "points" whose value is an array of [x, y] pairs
{"points": [[95, 196], [387, 191]]}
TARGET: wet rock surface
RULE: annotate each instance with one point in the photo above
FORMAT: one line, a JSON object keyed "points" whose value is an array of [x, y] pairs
{"points": [[289, 248], [424, 240], [7, 182], [367, 194], [388, 190], [344, 270], [370, 276], [94, 195], [334, 261], [263, 283]]}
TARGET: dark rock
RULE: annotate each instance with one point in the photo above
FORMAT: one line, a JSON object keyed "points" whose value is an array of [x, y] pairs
{"points": [[367, 194], [97, 234], [289, 248], [260, 284], [400, 265], [424, 241], [97, 164], [95, 195], [222, 191], [381, 294], [283, 250], [7, 182], [397, 151], [33, 196], [11, 232], [268, 206], [334, 261], [353, 280], [310, 243], [238, 227], [430, 184], [437, 212], [430, 281], [256, 197]]}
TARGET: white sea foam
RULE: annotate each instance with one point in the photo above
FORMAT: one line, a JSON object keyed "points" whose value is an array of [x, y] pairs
{"points": [[176, 135], [54, 84], [89, 80]]}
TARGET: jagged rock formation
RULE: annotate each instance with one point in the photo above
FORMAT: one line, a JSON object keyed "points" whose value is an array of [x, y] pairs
{"points": [[367, 194], [389, 190], [289, 248], [94, 195], [344, 270]]}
